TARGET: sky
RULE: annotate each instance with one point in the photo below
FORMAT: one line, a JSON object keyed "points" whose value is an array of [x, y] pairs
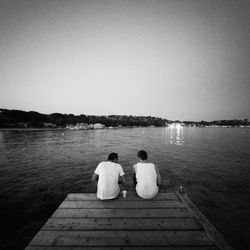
{"points": [[185, 60]]}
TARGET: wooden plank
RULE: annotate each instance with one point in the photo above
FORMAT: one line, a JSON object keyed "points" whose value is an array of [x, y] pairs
{"points": [[131, 195], [121, 204], [210, 230], [82, 221], [118, 238], [78, 224], [122, 248], [122, 213]]}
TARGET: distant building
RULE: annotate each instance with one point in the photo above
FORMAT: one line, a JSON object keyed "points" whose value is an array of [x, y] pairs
{"points": [[49, 125], [99, 126]]}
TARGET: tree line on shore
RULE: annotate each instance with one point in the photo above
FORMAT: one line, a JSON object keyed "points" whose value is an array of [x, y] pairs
{"points": [[19, 119], [32, 119]]}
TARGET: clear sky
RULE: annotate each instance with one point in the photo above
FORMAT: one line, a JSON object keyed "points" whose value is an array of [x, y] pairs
{"points": [[186, 60]]}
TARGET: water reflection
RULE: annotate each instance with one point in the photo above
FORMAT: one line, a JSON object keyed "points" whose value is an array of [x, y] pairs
{"points": [[176, 136]]}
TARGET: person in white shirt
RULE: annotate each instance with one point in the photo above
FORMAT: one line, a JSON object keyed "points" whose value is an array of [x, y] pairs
{"points": [[146, 177], [106, 177]]}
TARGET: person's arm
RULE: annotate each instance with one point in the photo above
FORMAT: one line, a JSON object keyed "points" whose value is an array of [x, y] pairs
{"points": [[158, 176], [134, 175], [122, 177], [122, 180], [95, 178]]}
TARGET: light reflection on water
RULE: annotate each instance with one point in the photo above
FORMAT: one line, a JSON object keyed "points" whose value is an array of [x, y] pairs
{"points": [[44, 166], [176, 135]]}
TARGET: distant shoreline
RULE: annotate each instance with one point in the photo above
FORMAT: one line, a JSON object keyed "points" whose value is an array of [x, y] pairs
{"points": [[30, 129], [33, 120]]}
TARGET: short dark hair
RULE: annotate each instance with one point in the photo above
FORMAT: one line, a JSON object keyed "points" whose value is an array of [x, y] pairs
{"points": [[113, 156], [142, 154]]}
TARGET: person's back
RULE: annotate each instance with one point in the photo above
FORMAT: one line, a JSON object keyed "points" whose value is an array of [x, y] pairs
{"points": [[146, 180], [147, 177], [107, 173]]}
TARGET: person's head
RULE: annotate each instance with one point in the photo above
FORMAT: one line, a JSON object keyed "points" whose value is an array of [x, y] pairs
{"points": [[113, 157], [142, 155]]}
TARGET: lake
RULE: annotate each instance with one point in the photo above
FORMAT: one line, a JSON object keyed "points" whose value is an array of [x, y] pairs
{"points": [[39, 168]]}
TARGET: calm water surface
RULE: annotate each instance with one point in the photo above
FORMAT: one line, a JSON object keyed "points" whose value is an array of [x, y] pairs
{"points": [[39, 168]]}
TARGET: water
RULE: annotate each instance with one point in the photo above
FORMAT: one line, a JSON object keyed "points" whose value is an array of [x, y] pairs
{"points": [[39, 168]]}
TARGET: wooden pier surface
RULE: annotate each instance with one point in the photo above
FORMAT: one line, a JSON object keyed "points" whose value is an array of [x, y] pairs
{"points": [[169, 221]]}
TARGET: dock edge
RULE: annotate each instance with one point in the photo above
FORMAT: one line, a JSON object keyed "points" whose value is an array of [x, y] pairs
{"points": [[210, 230]]}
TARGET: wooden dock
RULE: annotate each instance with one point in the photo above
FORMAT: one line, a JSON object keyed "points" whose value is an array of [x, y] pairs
{"points": [[169, 221]]}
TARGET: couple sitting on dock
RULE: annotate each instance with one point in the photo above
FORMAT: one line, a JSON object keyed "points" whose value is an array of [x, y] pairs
{"points": [[108, 173]]}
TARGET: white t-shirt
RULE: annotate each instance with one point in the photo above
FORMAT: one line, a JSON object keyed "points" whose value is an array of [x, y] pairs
{"points": [[109, 173], [146, 177]]}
